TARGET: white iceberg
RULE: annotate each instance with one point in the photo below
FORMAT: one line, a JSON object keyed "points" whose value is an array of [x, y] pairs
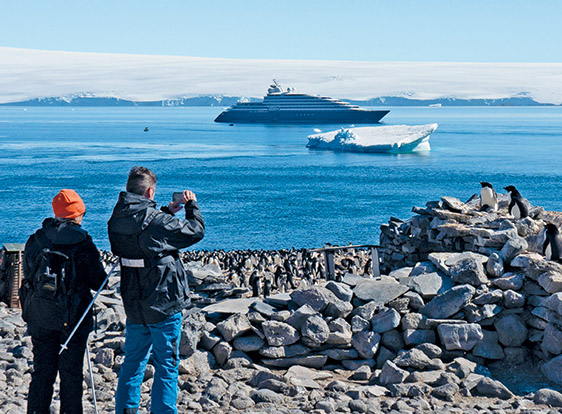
{"points": [[393, 139]]}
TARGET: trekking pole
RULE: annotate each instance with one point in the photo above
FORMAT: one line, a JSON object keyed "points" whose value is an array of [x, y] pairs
{"points": [[65, 345], [91, 378]]}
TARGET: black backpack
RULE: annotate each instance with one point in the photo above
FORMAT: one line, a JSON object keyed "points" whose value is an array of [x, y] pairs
{"points": [[49, 296]]}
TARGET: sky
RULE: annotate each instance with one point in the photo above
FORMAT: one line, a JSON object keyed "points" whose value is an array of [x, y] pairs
{"points": [[348, 30]]}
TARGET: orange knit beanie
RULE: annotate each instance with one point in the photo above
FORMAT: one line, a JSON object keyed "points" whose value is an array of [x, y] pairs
{"points": [[68, 204]]}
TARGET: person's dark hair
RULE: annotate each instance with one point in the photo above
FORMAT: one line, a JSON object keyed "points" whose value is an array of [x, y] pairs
{"points": [[140, 179]]}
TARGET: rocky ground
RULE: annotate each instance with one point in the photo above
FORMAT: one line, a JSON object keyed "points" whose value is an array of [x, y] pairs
{"points": [[466, 319]]}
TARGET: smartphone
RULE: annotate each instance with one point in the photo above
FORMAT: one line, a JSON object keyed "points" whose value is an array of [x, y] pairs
{"points": [[177, 197]]}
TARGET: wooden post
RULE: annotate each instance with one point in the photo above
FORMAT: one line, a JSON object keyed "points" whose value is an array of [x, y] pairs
{"points": [[329, 265], [15, 271], [375, 262]]}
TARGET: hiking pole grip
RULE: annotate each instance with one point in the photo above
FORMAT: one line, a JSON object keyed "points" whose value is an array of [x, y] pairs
{"points": [[65, 345]]}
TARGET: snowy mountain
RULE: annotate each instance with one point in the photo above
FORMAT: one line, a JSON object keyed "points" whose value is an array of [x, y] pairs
{"points": [[50, 78]]}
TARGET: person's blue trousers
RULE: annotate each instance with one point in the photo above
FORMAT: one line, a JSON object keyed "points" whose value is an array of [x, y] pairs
{"points": [[163, 340]]}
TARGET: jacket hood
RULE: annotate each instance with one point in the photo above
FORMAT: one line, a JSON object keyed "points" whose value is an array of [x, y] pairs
{"points": [[62, 231], [132, 213]]}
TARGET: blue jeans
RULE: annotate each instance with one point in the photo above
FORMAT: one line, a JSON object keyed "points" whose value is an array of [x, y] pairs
{"points": [[163, 338]]}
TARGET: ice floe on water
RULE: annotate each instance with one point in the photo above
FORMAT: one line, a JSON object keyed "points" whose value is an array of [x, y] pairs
{"points": [[393, 139]]}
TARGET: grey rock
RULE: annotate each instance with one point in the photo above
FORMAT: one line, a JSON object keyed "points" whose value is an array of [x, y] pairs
{"points": [[385, 320], [312, 361], [431, 350], [208, 340], [415, 301], [366, 311], [486, 298], [299, 317], [548, 397], [317, 297], [511, 330], [456, 336], [412, 321], [443, 261], [552, 340], [230, 306], [512, 299], [197, 364], [392, 340], [489, 347], [341, 290], [222, 352], [468, 270], [448, 303], [234, 326], [379, 291], [316, 329], [366, 343], [418, 336], [362, 373], [512, 248], [266, 396], [263, 308], [384, 355], [279, 300], [338, 309], [553, 370], [279, 333], [430, 284], [414, 358], [392, 374], [513, 281], [495, 389], [495, 267], [340, 354], [446, 392], [461, 367], [551, 281], [359, 324], [248, 343]]}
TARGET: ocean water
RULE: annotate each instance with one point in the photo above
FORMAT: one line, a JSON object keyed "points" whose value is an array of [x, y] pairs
{"points": [[258, 186]]}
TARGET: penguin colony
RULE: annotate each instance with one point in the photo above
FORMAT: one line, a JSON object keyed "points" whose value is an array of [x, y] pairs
{"points": [[263, 273]]}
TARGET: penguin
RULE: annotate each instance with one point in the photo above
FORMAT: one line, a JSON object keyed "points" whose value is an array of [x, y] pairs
{"points": [[552, 247], [488, 196], [517, 207]]}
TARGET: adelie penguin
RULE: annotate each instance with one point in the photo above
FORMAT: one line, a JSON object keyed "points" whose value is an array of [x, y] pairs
{"points": [[552, 246], [488, 197], [517, 206]]}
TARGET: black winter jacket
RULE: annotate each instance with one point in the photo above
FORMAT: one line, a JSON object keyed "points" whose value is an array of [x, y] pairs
{"points": [[66, 236], [137, 230]]}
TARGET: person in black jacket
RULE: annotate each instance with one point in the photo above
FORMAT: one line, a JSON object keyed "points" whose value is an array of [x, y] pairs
{"points": [[63, 234], [154, 287]]}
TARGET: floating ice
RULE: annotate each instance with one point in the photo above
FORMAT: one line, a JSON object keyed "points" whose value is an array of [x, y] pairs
{"points": [[395, 139]]}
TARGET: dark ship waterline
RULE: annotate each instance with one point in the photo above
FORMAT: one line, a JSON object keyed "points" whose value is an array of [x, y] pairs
{"points": [[289, 107]]}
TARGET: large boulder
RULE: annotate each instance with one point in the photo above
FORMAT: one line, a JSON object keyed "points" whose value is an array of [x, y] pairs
{"points": [[511, 330], [234, 326], [460, 336], [317, 297], [385, 320], [279, 333], [380, 292], [448, 303]]}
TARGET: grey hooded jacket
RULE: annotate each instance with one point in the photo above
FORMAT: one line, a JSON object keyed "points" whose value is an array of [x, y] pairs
{"points": [[139, 232]]}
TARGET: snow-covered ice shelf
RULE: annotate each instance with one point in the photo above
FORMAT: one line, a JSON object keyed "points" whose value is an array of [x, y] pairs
{"points": [[393, 139]]}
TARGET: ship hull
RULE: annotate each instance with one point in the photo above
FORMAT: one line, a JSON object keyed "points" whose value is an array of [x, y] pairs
{"points": [[352, 116]]}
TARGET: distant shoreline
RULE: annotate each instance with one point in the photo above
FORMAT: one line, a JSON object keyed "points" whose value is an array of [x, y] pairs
{"points": [[211, 101]]}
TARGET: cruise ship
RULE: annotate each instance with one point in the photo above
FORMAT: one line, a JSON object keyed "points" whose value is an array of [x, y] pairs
{"points": [[289, 107]]}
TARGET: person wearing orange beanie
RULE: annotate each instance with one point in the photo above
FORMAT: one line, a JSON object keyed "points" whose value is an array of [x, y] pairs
{"points": [[67, 204], [49, 329]]}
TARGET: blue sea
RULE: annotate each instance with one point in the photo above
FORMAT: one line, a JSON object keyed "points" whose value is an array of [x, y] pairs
{"points": [[258, 186]]}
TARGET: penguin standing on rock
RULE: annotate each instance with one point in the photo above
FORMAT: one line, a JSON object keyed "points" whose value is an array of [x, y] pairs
{"points": [[517, 207], [552, 246], [488, 196]]}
